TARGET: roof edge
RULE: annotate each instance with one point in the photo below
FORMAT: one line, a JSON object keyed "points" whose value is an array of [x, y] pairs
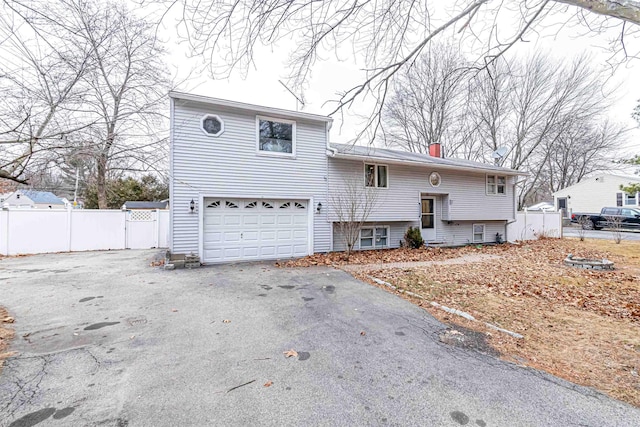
{"points": [[386, 160], [246, 106]]}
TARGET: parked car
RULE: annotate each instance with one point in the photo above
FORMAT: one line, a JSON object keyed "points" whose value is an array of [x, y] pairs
{"points": [[542, 206], [627, 218]]}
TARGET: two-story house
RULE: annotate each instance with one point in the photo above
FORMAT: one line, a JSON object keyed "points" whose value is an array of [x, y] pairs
{"points": [[251, 182]]}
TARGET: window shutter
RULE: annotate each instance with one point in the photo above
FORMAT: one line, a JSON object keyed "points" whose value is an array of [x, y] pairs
{"points": [[619, 197]]}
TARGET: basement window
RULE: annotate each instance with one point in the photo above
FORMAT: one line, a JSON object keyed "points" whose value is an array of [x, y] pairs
{"points": [[478, 233], [374, 237]]}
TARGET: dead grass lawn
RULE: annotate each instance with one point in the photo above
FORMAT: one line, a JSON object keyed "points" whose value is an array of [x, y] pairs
{"points": [[581, 325]]}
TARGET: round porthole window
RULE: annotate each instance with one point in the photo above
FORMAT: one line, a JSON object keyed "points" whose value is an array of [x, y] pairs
{"points": [[434, 179], [212, 125]]}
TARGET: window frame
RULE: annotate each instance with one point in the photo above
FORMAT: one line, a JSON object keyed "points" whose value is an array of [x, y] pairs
{"points": [[374, 232], [496, 185], [260, 152], [627, 196], [375, 175], [473, 232], [213, 135]]}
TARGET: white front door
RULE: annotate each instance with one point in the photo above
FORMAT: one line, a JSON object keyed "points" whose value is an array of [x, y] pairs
{"points": [[428, 218], [254, 229]]}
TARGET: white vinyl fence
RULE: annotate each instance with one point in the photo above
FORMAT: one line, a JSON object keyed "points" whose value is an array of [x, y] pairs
{"points": [[532, 225], [34, 231]]}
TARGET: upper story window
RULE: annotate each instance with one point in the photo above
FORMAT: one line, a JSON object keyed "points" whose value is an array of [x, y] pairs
{"points": [[276, 136], [212, 125], [496, 184], [376, 176]]}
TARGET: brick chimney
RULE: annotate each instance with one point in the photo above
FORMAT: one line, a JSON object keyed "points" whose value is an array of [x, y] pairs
{"points": [[434, 150]]}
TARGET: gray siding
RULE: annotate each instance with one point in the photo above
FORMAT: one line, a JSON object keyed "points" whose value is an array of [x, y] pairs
{"points": [[463, 193], [396, 233], [456, 233], [228, 165]]}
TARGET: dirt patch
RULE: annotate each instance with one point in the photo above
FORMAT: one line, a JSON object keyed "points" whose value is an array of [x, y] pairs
{"points": [[581, 325], [6, 335]]}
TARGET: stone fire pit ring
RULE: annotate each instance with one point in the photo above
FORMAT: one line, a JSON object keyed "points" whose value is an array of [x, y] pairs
{"points": [[588, 263]]}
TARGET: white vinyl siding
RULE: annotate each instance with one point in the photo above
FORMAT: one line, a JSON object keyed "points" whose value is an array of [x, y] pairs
{"points": [[592, 194], [229, 166], [461, 196], [455, 233]]}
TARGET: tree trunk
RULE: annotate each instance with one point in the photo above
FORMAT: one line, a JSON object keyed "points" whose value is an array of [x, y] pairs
{"points": [[101, 181]]}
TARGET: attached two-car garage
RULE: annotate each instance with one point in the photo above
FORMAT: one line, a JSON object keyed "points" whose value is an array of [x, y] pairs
{"points": [[254, 229]]}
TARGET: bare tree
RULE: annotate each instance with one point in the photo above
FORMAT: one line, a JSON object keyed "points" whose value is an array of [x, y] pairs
{"points": [[41, 82], [427, 103], [127, 86], [351, 206], [535, 106], [91, 81], [385, 36]]}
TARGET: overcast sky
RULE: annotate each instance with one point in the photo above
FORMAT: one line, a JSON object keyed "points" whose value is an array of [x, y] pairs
{"points": [[331, 76]]}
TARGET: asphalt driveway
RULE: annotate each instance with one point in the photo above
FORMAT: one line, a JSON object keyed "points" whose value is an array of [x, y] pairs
{"points": [[104, 339]]}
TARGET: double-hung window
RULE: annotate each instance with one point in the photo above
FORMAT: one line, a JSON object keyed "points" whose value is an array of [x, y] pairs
{"points": [[376, 176], [478, 233], [374, 237], [496, 184], [630, 199]]}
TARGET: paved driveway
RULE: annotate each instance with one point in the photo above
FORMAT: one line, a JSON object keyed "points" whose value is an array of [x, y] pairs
{"points": [[105, 339]]}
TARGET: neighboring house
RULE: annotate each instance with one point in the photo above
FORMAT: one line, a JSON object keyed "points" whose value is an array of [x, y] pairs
{"points": [[592, 194], [250, 182], [132, 205], [32, 199]]}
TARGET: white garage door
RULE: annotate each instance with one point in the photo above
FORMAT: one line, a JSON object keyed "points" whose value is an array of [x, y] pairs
{"points": [[253, 229]]}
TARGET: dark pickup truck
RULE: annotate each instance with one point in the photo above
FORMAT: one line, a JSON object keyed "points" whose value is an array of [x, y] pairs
{"points": [[627, 218]]}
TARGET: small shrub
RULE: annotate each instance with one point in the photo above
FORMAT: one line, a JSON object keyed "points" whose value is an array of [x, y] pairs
{"points": [[413, 238]]}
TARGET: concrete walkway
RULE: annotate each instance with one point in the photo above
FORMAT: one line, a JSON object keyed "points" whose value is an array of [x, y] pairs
{"points": [[465, 259]]}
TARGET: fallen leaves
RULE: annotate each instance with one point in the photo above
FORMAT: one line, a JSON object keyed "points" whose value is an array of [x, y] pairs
{"points": [[290, 353], [582, 325], [363, 333], [226, 321], [8, 319], [268, 384]]}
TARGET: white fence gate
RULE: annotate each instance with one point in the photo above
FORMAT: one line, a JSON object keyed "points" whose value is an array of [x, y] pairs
{"points": [[33, 231], [532, 225]]}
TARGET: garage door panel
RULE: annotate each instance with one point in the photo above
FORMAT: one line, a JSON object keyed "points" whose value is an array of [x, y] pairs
{"points": [[300, 234], [284, 235], [250, 236], [231, 237], [267, 219], [285, 219], [250, 229], [251, 220]]}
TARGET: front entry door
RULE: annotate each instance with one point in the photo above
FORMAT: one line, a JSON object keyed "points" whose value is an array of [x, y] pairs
{"points": [[428, 218]]}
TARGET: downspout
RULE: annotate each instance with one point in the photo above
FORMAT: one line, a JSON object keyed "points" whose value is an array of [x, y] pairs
{"points": [[515, 209], [331, 152]]}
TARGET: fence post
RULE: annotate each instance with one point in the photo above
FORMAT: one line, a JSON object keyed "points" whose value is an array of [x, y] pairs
{"points": [[69, 225]]}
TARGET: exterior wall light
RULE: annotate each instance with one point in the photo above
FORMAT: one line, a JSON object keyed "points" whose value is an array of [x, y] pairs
{"points": [[319, 207], [192, 205]]}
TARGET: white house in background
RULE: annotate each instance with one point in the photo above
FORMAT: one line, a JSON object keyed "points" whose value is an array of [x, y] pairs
{"points": [[32, 199], [251, 182], [597, 192]]}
